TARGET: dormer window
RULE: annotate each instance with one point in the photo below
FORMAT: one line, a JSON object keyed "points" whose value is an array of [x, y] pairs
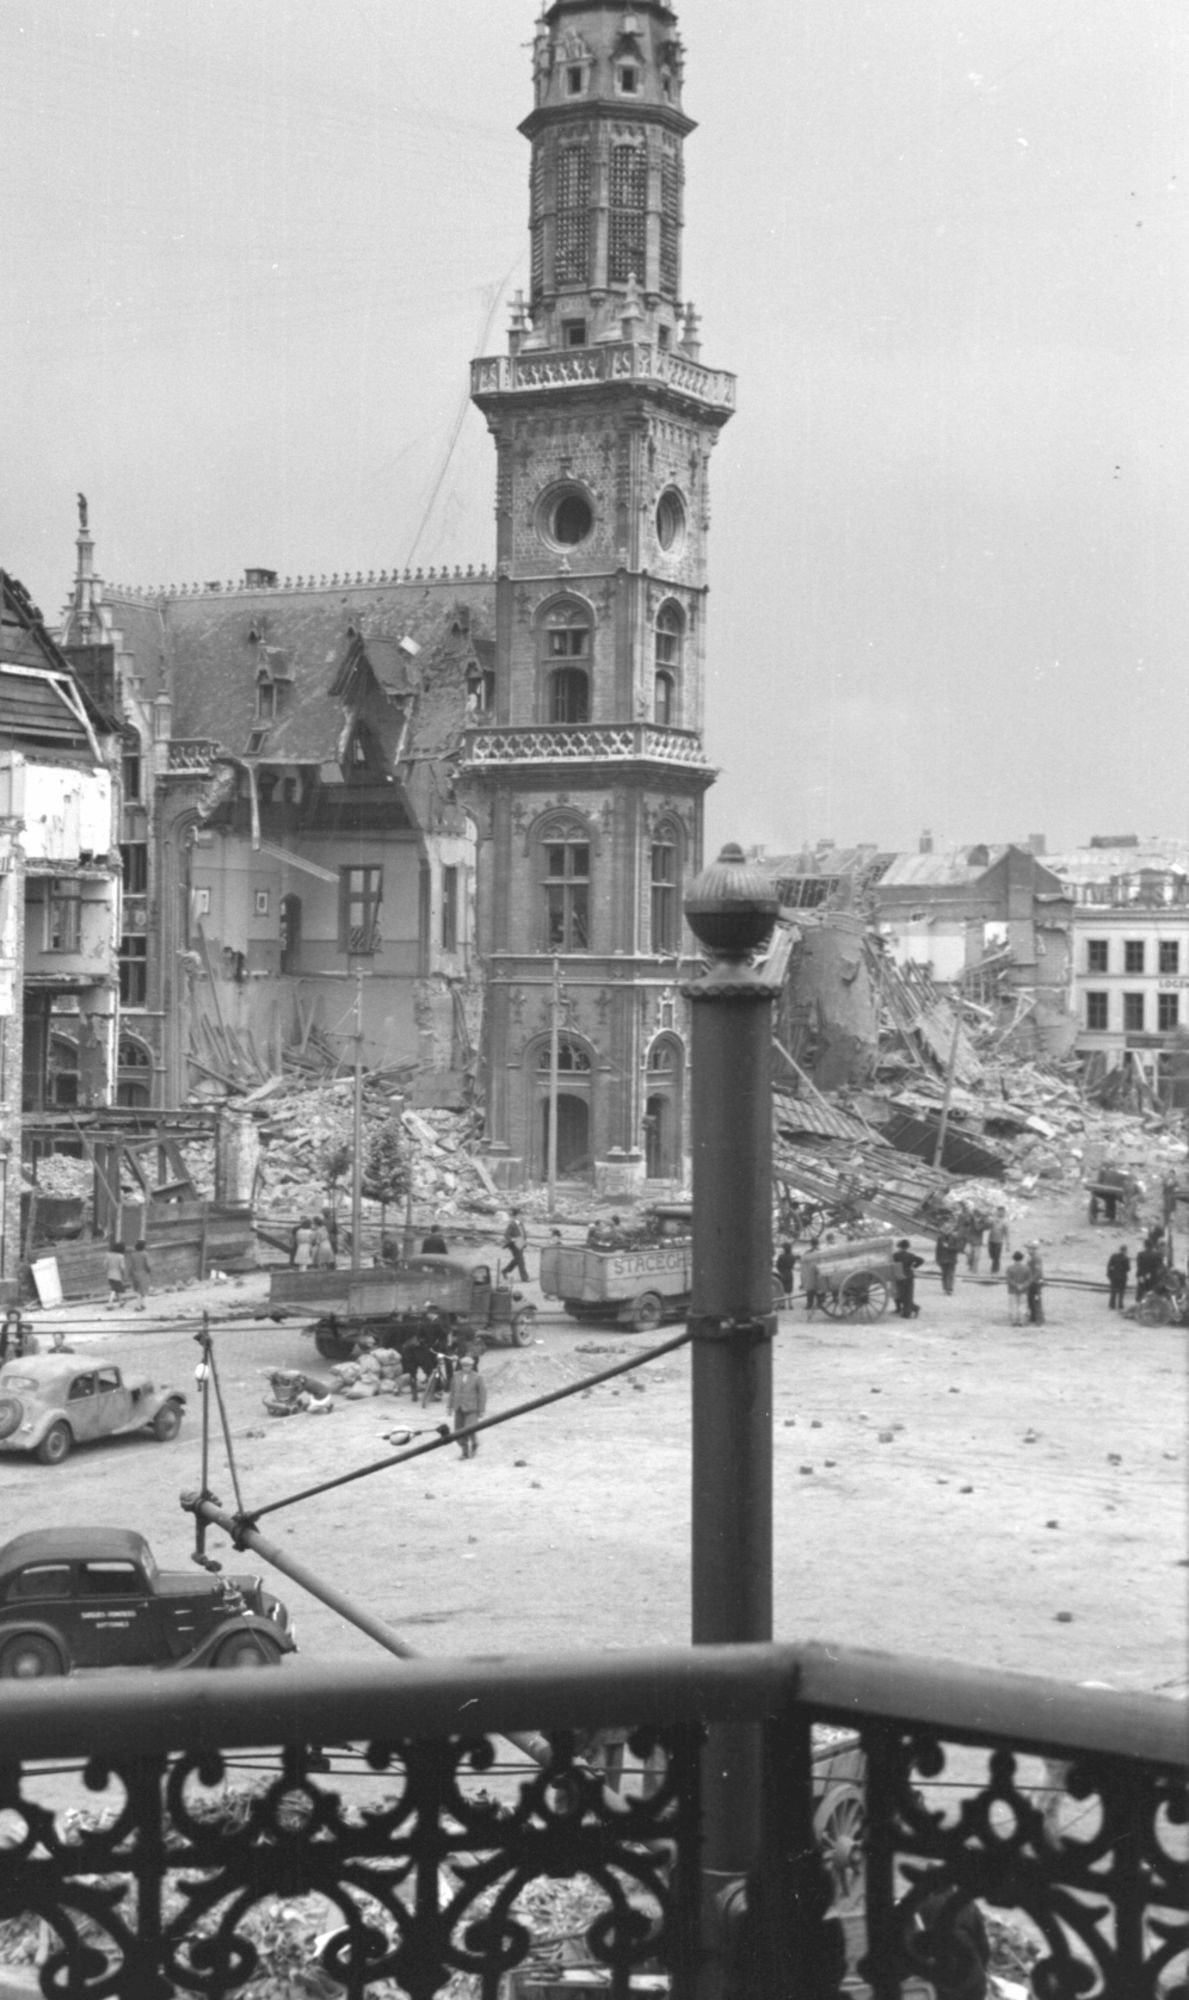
{"points": [[629, 80], [575, 79], [266, 699]]}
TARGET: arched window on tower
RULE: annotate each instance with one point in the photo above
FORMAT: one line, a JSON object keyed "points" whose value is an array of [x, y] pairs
{"points": [[669, 646], [564, 852], [566, 661], [626, 242], [664, 905]]}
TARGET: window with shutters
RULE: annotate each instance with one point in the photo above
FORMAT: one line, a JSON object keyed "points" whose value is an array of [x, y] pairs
{"points": [[359, 909], [626, 230], [571, 261]]}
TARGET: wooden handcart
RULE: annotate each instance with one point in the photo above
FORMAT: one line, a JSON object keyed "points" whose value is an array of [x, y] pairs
{"points": [[854, 1280]]}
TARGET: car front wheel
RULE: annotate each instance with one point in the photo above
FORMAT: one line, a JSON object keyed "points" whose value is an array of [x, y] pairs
{"points": [[248, 1649], [167, 1422], [29, 1658], [56, 1445]]}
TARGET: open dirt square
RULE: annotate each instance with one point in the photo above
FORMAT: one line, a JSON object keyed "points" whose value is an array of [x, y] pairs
{"points": [[947, 1486]]}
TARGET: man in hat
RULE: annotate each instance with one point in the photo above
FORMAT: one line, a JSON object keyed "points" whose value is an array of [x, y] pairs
{"points": [[1036, 1278], [468, 1403]]}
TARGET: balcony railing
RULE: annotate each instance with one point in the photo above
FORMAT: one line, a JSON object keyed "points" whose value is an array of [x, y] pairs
{"points": [[149, 1862], [616, 361], [191, 753], [585, 743]]}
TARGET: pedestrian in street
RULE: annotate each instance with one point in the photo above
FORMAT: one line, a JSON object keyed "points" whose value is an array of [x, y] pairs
{"points": [[907, 1265], [434, 1245], [139, 1272], [1118, 1270], [323, 1251], [998, 1238], [303, 1245], [116, 1275], [1036, 1278], [1017, 1287], [1149, 1265], [515, 1240], [467, 1403], [976, 1229], [945, 1254], [786, 1266]]}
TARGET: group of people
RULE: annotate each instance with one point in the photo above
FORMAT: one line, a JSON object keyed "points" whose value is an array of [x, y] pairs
{"points": [[963, 1233], [1152, 1270], [128, 1270], [314, 1244]]}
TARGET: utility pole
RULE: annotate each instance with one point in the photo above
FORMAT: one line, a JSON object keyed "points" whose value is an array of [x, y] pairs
{"points": [[554, 1051], [357, 1183], [939, 1144], [732, 911]]}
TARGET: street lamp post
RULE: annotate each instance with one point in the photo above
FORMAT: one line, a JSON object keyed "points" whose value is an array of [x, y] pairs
{"points": [[732, 912]]}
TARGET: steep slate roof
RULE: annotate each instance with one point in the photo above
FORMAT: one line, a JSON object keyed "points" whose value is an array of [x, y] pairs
{"points": [[211, 660]]}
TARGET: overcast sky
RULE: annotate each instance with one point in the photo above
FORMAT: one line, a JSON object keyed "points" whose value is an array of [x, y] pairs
{"points": [[249, 247]]}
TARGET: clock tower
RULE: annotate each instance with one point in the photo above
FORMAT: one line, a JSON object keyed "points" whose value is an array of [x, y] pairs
{"points": [[585, 765]]}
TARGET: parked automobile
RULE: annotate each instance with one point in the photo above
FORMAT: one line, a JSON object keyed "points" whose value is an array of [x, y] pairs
{"points": [[79, 1597], [51, 1402]]}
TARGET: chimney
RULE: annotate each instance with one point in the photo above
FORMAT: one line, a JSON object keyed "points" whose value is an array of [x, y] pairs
{"points": [[1037, 844], [925, 843]]}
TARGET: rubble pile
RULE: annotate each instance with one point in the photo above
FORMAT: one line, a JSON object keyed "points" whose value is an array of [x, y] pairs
{"points": [[1014, 1125]]}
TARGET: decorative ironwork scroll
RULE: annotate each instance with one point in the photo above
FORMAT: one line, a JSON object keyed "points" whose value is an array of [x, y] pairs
{"points": [[150, 1896]]}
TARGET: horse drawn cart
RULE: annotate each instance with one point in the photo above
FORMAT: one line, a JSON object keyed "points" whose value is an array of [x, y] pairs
{"points": [[853, 1280]]}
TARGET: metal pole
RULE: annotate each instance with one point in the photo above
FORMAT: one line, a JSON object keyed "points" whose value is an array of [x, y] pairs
{"points": [[731, 910], [357, 1183], [939, 1146], [554, 1049]]}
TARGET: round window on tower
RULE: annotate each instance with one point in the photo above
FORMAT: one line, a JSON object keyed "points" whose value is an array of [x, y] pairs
{"points": [[565, 517], [670, 521]]}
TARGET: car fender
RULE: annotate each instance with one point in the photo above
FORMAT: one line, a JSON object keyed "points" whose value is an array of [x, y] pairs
{"points": [[28, 1440], [240, 1621], [11, 1628]]}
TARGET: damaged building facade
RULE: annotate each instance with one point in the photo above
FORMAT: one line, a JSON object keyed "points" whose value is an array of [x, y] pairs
{"points": [[59, 897], [293, 819]]}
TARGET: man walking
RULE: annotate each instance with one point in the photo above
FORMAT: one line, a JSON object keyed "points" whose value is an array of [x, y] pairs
{"points": [[514, 1242], [468, 1403], [997, 1240], [946, 1255]]}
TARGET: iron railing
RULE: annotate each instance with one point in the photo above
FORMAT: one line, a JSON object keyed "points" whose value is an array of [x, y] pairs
{"points": [[119, 1833]]}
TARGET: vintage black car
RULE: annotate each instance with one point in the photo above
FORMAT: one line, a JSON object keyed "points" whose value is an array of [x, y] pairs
{"points": [[78, 1597]]}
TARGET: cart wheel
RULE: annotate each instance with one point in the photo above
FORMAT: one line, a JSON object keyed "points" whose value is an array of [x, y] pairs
{"points": [[862, 1296], [840, 1824], [1154, 1309], [830, 1303], [647, 1312]]}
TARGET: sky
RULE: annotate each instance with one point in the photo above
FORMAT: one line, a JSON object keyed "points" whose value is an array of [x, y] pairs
{"points": [[250, 247]]}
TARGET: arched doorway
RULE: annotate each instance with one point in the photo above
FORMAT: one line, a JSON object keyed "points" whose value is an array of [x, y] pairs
{"points": [[663, 1097], [134, 1081], [574, 1147]]}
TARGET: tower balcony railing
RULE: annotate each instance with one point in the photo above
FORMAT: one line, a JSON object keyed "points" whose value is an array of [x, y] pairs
{"points": [[613, 361], [191, 753], [584, 743], [168, 1845]]}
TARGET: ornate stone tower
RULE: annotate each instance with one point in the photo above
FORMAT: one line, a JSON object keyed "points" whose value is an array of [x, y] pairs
{"points": [[585, 766]]}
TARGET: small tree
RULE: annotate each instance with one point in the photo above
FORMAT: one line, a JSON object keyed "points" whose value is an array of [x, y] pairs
{"points": [[387, 1174], [334, 1161]]}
